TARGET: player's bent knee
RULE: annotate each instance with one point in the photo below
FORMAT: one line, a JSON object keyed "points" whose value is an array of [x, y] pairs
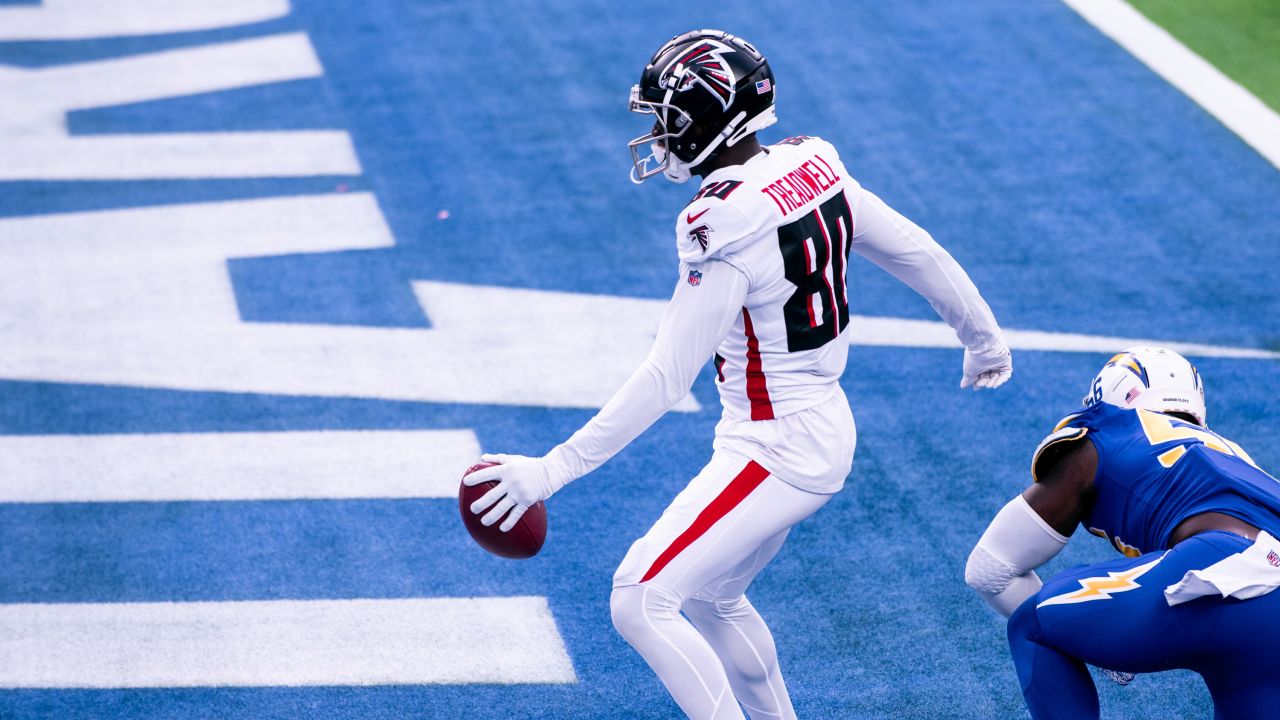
{"points": [[624, 609], [715, 609], [633, 607]]}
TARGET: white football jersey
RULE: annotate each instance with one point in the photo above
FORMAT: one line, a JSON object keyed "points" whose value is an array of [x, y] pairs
{"points": [[785, 220], [763, 252]]}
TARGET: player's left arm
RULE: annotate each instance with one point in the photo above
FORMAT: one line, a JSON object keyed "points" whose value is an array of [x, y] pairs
{"points": [[694, 323], [903, 249], [1033, 527]]}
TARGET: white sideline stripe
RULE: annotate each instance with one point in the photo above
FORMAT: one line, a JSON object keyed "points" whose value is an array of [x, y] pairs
{"points": [[235, 466], [901, 332], [1234, 106], [282, 643]]}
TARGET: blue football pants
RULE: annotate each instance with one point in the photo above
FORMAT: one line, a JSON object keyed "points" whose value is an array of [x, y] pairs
{"points": [[1124, 623]]}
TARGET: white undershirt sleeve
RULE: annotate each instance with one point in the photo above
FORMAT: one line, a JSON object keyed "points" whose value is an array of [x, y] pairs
{"points": [[1001, 566], [904, 250], [696, 320]]}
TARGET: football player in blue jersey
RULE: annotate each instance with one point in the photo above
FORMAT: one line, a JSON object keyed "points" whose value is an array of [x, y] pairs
{"points": [[1193, 515]]}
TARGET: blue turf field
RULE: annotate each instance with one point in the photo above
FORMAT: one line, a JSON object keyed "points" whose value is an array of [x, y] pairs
{"points": [[1082, 193]]}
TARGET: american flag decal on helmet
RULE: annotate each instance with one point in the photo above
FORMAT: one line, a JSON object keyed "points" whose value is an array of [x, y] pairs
{"points": [[705, 65]]}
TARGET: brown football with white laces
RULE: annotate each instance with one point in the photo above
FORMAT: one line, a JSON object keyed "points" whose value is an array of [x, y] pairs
{"points": [[520, 542]]}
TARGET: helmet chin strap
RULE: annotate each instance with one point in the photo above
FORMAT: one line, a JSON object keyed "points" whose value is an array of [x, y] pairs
{"points": [[678, 171]]}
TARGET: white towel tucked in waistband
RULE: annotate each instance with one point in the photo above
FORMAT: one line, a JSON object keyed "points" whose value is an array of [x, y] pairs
{"points": [[1246, 574]]}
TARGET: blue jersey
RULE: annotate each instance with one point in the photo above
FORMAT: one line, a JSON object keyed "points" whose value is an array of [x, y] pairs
{"points": [[1154, 471]]}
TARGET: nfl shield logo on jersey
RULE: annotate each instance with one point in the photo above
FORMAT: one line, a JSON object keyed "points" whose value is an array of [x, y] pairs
{"points": [[695, 278]]}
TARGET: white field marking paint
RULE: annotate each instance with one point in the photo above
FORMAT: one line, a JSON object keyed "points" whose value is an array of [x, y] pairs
{"points": [[33, 118], [1233, 106], [80, 19], [293, 153], [235, 466], [141, 297], [900, 332], [501, 640]]}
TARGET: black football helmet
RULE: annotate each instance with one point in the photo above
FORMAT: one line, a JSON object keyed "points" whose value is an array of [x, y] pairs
{"points": [[707, 89]]}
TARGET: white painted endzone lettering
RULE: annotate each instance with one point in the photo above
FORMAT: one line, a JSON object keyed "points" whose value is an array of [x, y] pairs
{"points": [[82, 19], [235, 466], [144, 299], [37, 101], [502, 640]]}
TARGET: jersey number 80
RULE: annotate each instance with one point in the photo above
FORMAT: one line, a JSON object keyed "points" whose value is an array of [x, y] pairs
{"points": [[815, 253]]}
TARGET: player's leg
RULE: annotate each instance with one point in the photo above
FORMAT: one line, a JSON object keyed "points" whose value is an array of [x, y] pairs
{"points": [[718, 522], [725, 617], [649, 619], [1115, 615], [1111, 615], [1239, 663], [1055, 685], [812, 448], [1241, 693]]}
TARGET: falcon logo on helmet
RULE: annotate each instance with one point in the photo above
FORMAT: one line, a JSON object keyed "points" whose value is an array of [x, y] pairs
{"points": [[703, 64]]}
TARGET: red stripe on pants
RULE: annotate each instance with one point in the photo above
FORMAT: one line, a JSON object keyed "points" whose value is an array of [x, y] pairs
{"points": [[757, 389], [735, 492]]}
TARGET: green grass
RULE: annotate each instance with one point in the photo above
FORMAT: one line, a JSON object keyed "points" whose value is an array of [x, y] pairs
{"points": [[1239, 37]]}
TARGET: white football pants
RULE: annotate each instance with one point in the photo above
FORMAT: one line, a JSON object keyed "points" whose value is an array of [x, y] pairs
{"points": [[700, 557]]}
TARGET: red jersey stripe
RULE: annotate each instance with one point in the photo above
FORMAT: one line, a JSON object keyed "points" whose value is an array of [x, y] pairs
{"points": [[734, 493], [757, 388], [833, 254]]}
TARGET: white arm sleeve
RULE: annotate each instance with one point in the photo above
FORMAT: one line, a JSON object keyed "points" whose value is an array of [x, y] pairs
{"points": [[695, 321], [906, 251], [1017, 542]]}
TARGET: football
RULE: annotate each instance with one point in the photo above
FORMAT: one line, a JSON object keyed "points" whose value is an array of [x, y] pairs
{"points": [[520, 542]]}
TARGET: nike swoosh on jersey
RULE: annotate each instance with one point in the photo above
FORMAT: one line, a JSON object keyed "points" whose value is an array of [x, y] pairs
{"points": [[693, 218]]}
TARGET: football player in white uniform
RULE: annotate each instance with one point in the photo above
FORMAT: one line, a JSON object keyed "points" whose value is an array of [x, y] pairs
{"points": [[763, 248]]}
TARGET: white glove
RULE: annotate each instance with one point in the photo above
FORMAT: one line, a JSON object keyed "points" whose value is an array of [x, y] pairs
{"points": [[987, 369], [522, 481]]}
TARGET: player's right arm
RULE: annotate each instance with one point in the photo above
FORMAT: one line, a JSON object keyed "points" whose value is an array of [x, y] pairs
{"points": [[699, 316], [1033, 527], [707, 301], [903, 249]]}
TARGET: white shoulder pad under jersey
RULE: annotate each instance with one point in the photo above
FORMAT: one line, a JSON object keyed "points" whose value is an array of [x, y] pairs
{"points": [[742, 203]]}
